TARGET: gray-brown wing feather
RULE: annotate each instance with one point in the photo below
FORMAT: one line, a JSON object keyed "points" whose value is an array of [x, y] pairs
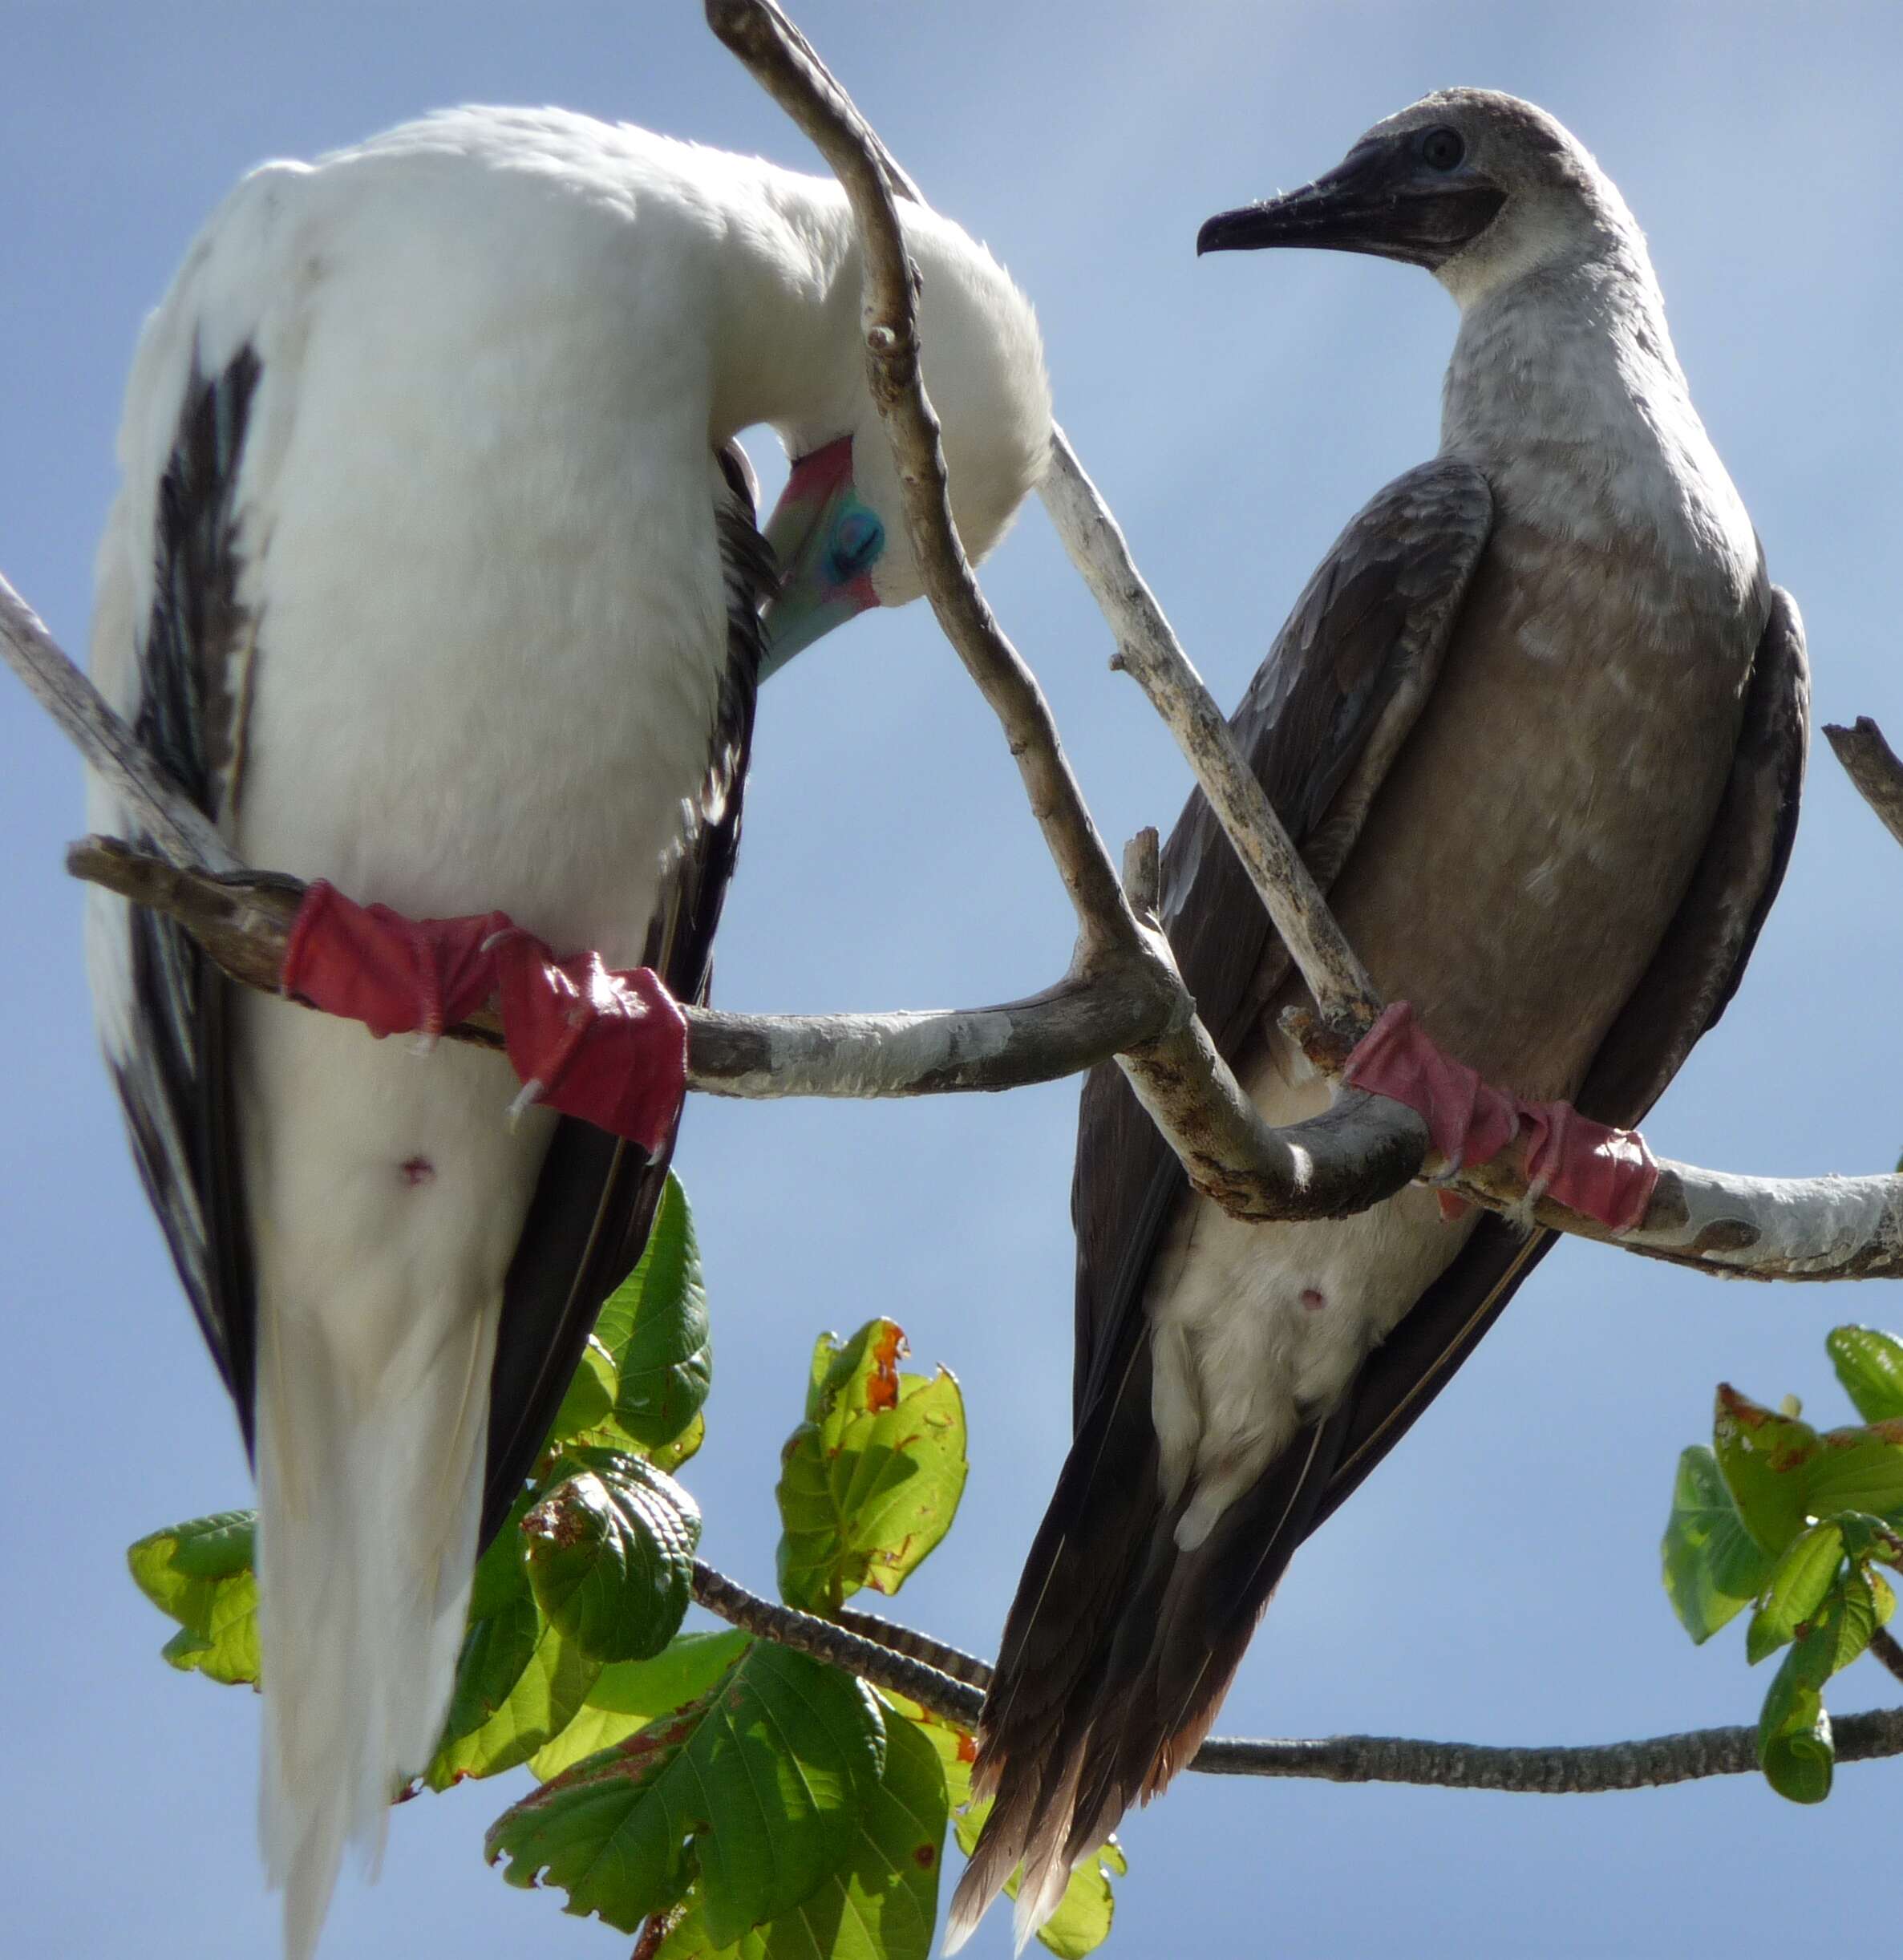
{"points": [[1320, 724], [173, 1076], [1683, 994], [597, 1195]]}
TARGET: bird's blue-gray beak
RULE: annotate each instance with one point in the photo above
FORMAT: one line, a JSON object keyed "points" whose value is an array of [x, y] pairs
{"points": [[827, 542], [1413, 197]]}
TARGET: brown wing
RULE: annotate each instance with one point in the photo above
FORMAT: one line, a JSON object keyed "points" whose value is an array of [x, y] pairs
{"points": [[589, 1217], [1685, 991], [1320, 724]]}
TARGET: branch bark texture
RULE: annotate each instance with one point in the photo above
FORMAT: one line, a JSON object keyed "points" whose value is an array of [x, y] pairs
{"points": [[951, 1684]]}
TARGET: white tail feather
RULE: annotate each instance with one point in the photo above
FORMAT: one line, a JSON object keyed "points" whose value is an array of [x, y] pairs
{"points": [[369, 1491]]}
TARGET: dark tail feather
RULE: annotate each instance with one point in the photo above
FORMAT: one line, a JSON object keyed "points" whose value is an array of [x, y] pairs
{"points": [[1119, 1647], [1178, 1646]]}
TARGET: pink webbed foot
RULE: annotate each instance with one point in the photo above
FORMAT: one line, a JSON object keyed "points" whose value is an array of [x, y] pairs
{"points": [[1606, 1174], [608, 1047]]}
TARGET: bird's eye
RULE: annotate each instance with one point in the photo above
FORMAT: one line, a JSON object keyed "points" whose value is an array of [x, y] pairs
{"points": [[857, 539], [1441, 149]]}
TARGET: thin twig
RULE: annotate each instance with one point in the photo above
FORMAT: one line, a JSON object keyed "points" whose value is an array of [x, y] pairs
{"points": [[1557, 1770], [1872, 764]]}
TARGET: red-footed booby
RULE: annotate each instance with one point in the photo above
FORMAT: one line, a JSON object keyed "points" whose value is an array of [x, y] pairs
{"points": [[1539, 724], [434, 574]]}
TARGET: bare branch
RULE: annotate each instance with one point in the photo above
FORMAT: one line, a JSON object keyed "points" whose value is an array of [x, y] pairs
{"points": [[1872, 764], [1744, 1228], [949, 1683], [786, 67], [112, 750], [1558, 1770], [1320, 1168], [1149, 651], [953, 1661], [1883, 1648], [787, 1627]]}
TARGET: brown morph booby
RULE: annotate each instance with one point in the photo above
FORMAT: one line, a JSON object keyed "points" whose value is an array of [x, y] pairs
{"points": [[1539, 724]]}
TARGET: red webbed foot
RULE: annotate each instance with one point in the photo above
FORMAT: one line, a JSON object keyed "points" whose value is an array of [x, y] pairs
{"points": [[1609, 1175], [608, 1047]]}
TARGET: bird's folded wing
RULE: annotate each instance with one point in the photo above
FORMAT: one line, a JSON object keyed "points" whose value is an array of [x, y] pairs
{"points": [[180, 673], [1684, 991]]}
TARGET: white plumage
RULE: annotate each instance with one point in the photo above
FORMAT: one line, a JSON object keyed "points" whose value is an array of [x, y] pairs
{"points": [[443, 603]]}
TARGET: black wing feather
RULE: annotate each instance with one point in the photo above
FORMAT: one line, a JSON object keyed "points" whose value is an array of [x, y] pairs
{"points": [[174, 1081]]}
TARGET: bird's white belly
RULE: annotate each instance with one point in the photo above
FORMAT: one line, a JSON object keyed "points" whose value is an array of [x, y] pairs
{"points": [[505, 712], [1257, 1329]]}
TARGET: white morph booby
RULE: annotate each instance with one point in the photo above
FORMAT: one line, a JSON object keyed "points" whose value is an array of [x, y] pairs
{"points": [[434, 574], [1539, 722]]}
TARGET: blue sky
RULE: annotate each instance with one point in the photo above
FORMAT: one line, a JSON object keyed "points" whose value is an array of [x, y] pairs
{"points": [[1497, 1580]]}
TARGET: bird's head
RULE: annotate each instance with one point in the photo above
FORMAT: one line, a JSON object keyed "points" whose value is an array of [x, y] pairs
{"points": [[838, 528], [1479, 187]]}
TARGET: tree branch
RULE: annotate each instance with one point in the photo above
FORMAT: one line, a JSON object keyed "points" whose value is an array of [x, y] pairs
{"points": [[950, 1684], [783, 64], [1883, 1648], [1229, 1153], [788, 1627], [1148, 650], [115, 754], [1870, 764]]}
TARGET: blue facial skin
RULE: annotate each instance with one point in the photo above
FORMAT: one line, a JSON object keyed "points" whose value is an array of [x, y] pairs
{"points": [[828, 581]]}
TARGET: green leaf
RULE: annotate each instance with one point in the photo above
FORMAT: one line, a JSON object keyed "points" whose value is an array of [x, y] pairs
{"points": [[1869, 1364], [756, 1790], [1766, 1460], [1799, 1583], [1795, 1749], [1082, 1919], [200, 1574], [669, 1456], [870, 1481], [611, 1554], [629, 1694], [655, 1331], [518, 1684], [881, 1904], [1859, 1469], [1849, 1617], [588, 1406], [1712, 1567]]}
